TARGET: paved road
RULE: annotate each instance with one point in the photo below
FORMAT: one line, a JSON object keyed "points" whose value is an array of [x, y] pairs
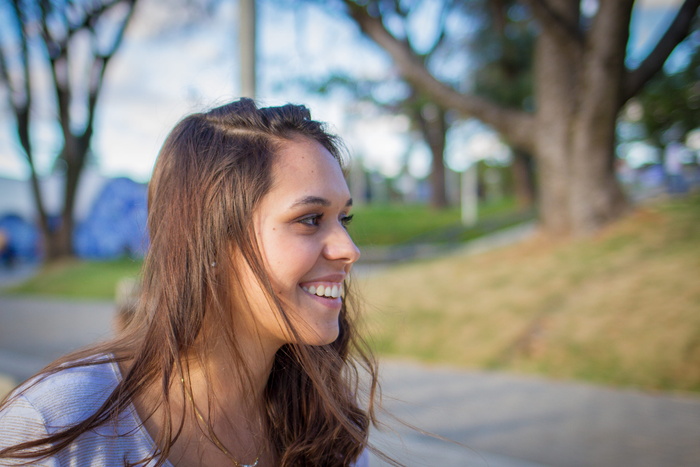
{"points": [[502, 420], [33, 332], [544, 422]]}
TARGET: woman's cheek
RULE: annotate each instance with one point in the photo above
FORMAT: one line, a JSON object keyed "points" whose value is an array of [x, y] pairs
{"points": [[292, 257]]}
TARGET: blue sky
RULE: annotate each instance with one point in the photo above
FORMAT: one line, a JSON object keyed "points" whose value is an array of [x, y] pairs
{"points": [[168, 68]]}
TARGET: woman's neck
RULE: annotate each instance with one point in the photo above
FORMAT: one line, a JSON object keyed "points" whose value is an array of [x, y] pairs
{"points": [[219, 388]]}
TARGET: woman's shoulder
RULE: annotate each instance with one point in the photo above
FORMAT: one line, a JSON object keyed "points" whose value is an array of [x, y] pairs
{"points": [[52, 402], [68, 395]]}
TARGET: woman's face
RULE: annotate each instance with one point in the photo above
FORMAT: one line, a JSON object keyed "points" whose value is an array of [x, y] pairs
{"points": [[300, 227]]}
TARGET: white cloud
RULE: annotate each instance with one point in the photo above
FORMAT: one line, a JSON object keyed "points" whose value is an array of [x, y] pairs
{"points": [[380, 142], [658, 3]]}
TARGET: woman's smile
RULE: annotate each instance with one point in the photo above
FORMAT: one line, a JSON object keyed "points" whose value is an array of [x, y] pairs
{"points": [[328, 287], [326, 290]]}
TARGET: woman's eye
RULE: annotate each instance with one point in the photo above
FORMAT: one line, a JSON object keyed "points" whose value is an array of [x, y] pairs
{"points": [[345, 220], [311, 220]]}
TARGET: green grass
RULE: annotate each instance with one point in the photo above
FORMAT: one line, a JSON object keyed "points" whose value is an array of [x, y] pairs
{"points": [[621, 308], [79, 279], [400, 224]]}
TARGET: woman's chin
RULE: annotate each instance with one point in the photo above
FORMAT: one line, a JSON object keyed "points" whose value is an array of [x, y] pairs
{"points": [[325, 336]]}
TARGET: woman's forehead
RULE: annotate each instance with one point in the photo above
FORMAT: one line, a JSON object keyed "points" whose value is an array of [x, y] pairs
{"points": [[303, 167], [299, 157]]}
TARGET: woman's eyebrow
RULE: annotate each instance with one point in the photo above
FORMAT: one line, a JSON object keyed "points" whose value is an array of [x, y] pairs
{"points": [[316, 201]]}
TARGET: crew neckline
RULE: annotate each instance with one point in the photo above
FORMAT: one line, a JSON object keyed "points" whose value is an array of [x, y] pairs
{"points": [[133, 413]]}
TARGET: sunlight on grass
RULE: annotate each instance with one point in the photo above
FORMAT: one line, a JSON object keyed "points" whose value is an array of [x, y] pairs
{"points": [[620, 308], [398, 224], [6, 385], [79, 279]]}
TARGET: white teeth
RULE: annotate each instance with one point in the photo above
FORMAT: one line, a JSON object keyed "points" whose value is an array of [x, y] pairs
{"points": [[333, 291]]}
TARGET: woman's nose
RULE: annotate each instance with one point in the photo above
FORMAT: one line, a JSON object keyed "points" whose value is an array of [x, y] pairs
{"points": [[339, 246]]}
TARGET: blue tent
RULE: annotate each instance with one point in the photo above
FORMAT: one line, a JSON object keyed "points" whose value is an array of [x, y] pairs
{"points": [[23, 237], [116, 223]]}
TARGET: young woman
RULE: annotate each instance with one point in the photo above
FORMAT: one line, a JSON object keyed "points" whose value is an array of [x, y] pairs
{"points": [[242, 349]]}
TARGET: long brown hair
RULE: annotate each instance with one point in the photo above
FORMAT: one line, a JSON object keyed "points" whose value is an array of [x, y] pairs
{"points": [[212, 172]]}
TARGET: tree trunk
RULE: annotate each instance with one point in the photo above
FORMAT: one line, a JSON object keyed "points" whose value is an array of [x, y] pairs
{"points": [[431, 119], [555, 71], [579, 97], [438, 195], [596, 196], [523, 179]]}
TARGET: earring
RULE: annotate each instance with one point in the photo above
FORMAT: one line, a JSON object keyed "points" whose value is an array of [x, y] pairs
{"points": [[213, 264]]}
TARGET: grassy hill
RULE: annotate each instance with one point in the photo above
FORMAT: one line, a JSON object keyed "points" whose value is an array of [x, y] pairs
{"points": [[620, 308]]}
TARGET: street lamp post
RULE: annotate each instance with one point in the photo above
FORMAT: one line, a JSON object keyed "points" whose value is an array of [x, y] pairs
{"points": [[247, 41]]}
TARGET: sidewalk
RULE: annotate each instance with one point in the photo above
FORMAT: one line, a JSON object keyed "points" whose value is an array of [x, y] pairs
{"points": [[386, 255], [502, 420], [376, 259], [36, 331], [535, 420], [17, 274]]}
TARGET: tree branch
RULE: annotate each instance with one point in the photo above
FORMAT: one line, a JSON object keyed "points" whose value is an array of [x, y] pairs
{"points": [[6, 78], [91, 14], [121, 29], [22, 114], [54, 46], [22, 108], [443, 30], [97, 72], [676, 32], [549, 18], [516, 126]]}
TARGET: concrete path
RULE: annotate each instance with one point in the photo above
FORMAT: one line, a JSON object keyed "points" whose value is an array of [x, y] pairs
{"points": [[501, 420], [532, 419], [34, 332], [17, 274]]}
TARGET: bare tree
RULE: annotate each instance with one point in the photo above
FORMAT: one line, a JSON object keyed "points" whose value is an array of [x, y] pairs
{"points": [[580, 84], [46, 36]]}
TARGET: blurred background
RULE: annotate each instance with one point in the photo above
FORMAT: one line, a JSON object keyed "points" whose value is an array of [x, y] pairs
{"points": [[525, 173]]}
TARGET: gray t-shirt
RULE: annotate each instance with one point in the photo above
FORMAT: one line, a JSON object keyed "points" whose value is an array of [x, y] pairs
{"points": [[69, 396]]}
